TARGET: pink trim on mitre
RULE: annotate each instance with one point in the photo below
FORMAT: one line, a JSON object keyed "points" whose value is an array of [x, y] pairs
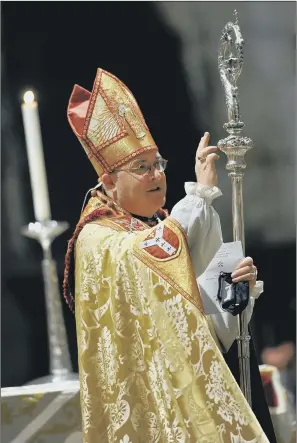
{"points": [[92, 102], [77, 109]]}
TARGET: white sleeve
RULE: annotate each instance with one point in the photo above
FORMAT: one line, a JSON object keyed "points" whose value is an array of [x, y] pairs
{"points": [[202, 225]]}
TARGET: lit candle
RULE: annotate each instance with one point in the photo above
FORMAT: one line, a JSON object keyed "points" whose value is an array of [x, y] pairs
{"points": [[35, 158]]}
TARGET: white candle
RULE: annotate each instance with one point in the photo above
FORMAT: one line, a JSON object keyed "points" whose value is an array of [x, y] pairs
{"points": [[35, 158]]}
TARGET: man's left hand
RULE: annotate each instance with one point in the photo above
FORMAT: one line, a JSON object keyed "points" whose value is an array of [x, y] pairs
{"points": [[245, 271]]}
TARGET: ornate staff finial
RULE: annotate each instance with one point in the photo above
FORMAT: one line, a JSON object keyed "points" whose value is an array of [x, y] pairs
{"points": [[230, 63]]}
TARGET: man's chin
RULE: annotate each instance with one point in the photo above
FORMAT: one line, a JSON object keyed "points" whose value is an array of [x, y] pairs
{"points": [[160, 204], [158, 198]]}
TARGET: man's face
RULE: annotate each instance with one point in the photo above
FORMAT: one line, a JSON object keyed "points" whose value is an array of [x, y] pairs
{"points": [[138, 193]]}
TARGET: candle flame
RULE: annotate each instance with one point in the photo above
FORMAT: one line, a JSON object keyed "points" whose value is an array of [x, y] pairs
{"points": [[29, 97]]}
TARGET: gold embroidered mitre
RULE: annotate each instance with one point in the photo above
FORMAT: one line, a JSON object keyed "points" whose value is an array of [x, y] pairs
{"points": [[108, 123]]}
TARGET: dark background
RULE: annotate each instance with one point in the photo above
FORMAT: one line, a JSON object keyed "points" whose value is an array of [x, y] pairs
{"points": [[50, 46]]}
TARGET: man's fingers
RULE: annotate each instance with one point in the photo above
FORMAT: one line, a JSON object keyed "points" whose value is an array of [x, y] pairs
{"points": [[248, 261], [243, 271], [211, 158], [203, 153], [204, 141], [205, 138], [246, 277], [205, 162], [208, 150]]}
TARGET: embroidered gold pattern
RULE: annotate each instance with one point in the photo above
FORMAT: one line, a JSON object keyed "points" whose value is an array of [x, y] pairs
{"points": [[150, 370]]}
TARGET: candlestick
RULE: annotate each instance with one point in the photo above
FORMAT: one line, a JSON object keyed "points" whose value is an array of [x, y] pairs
{"points": [[60, 366], [35, 158]]}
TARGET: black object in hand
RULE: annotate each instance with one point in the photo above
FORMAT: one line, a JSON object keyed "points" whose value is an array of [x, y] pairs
{"points": [[235, 300]]}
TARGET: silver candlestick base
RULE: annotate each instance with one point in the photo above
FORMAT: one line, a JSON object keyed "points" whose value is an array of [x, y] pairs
{"points": [[60, 364], [69, 376]]}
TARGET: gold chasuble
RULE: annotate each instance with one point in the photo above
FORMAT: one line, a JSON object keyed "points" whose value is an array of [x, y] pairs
{"points": [[150, 368]]}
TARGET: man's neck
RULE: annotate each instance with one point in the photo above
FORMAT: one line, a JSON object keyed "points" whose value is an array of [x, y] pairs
{"points": [[144, 218], [152, 220]]}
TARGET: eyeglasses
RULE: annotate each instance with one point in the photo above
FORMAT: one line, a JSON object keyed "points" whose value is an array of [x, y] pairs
{"points": [[146, 168]]}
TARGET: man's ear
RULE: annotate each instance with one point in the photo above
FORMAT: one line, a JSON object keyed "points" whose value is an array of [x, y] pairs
{"points": [[108, 181]]}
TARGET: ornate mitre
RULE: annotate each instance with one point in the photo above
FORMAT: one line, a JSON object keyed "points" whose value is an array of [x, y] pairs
{"points": [[108, 123]]}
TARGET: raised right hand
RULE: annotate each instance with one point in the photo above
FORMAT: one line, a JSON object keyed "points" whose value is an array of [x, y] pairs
{"points": [[205, 162]]}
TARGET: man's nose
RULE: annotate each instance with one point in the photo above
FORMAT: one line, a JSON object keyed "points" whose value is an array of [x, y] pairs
{"points": [[155, 174]]}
